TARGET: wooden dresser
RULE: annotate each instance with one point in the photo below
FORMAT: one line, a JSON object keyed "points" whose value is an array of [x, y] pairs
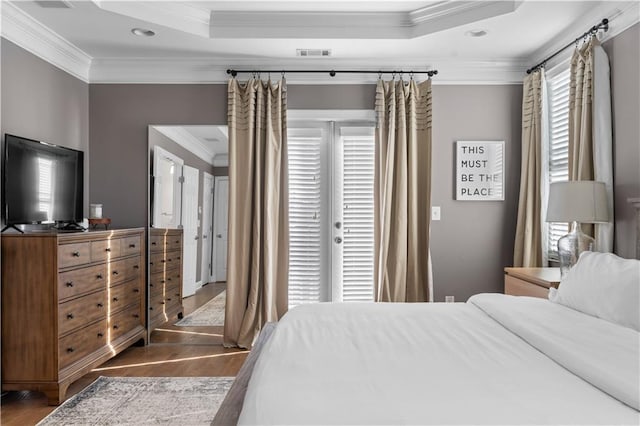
{"points": [[165, 276], [70, 301]]}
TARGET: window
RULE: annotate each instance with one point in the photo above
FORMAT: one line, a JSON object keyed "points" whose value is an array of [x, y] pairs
{"points": [[558, 148], [331, 170]]}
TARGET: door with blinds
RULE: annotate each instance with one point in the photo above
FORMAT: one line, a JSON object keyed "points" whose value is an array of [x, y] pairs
{"points": [[331, 172]]}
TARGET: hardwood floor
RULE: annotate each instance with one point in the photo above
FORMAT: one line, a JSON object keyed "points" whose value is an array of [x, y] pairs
{"points": [[174, 352]]}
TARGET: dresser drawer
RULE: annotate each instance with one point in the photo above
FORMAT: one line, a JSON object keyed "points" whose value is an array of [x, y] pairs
{"points": [[79, 312], [173, 293], [105, 250], [174, 242], [156, 262], [130, 245], [80, 281], [517, 287], [74, 254], [156, 242], [81, 343], [174, 259], [124, 295], [157, 283], [156, 305], [125, 321], [124, 270]]}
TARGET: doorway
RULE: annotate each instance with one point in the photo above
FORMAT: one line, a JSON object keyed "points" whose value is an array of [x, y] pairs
{"points": [[331, 173]]}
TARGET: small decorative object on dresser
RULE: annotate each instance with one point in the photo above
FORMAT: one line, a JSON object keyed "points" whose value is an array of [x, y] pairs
{"points": [[533, 282], [70, 301], [165, 275]]}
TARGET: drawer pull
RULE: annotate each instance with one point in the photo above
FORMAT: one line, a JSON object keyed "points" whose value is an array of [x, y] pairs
{"points": [[115, 299], [177, 241], [115, 327], [178, 294], [168, 279], [108, 249], [150, 308], [115, 272], [162, 281], [136, 290], [153, 243], [178, 258], [69, 316], [150, 285], [133, 245], [150, 263], [69, 283], [136, 316], [70, 350], [99, 276], [99, 305], [76, 254], [168, 299], [163, 261], [100, 335], [136, 267], [162, 303]]}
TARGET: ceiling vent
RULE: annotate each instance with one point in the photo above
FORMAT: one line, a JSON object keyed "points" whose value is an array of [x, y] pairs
{"points": [[313, 53], [54, 4]]}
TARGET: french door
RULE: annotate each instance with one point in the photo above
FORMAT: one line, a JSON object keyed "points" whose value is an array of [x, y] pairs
{"points": [[331, 171]]}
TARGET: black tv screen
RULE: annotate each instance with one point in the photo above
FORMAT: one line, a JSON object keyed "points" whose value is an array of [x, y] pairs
{"points": [[42, 183]]}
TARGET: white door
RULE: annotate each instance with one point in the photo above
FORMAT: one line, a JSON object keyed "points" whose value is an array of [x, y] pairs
{"points": [[220, 224], [167, 191], [190, 186], [207, 228], [331, 171]]}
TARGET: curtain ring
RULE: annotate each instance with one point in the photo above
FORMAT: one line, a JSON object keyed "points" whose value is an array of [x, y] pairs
{"points": [[393, 76], [282, 74], [411, 76], [379, 75]]}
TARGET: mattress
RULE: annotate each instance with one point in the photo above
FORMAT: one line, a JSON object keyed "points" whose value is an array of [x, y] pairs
{"points": [[494, 360]]}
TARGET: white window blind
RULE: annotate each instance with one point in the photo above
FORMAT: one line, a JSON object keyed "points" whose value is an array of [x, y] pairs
{"points": [[305, 216], [558, 161], [357, 198]]}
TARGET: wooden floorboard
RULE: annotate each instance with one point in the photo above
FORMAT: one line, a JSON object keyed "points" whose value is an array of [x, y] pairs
{"points": [[174, 352]]}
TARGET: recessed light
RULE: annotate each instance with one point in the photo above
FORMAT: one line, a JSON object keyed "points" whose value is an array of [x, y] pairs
{"points": [[143, 32], [476, 33]]}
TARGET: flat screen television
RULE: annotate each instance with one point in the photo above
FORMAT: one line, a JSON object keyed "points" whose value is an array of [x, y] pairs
{"points": [[42, 183]]}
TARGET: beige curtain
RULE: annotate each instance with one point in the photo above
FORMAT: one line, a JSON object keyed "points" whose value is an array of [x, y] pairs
{"points": [[528, 250], [402, 191], [590, 134], [258, 252]]}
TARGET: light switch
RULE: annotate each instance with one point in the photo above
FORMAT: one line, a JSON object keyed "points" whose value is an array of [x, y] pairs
{"points": [[435, 212]]}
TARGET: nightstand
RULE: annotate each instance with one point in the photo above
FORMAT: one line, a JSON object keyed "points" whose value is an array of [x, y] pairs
{"points": [[533, 282]]}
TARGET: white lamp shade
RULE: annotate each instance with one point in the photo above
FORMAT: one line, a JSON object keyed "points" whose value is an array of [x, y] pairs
{"points": [[583, 201]]}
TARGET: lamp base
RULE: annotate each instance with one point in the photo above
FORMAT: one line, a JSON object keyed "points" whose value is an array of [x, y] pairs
{"points": [[571, 245]]}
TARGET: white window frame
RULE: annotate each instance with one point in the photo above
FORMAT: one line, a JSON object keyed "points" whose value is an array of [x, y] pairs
{"points": [[555, 149]]}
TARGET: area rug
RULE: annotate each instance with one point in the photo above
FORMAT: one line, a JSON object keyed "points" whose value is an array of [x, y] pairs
{"points": [[211, 313], [143, 401]]}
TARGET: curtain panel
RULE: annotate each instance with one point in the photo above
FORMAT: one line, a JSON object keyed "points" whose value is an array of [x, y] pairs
{"points": [[258, 252], [402, 191], [528, 247], [590, 134]]}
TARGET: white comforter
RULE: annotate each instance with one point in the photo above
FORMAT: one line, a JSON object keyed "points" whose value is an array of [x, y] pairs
{"points": [[460, 363]]}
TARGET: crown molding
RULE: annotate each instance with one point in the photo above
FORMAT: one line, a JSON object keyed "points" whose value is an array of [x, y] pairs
{"points": [[206, 70], [189, 142], [441, 15], [621, 17], [182, 16], [21, 29]]}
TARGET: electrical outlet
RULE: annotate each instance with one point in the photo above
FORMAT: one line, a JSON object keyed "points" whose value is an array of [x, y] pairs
{"points": [[449, 299], [435, 212]]}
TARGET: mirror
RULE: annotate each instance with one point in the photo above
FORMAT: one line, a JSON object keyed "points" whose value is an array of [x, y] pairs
{"points": [[187, 239]]}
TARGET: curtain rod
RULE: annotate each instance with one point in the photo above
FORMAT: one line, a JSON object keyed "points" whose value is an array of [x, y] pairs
{"points": [[603, 25], [332, 73]]}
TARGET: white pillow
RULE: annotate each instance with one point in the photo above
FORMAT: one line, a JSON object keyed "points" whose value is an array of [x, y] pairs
{"points": [[605, 286]]}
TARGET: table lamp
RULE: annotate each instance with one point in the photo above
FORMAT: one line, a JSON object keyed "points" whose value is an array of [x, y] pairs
{"points": [[577, 202]]}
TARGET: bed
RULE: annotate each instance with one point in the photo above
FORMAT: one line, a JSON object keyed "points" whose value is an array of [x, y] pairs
{"points": [[496, 359]]}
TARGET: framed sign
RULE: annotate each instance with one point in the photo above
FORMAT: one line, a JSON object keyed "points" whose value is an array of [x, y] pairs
{"points": [[480, 170]]}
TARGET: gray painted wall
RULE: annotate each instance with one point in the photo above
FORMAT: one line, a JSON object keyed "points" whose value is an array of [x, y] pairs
{"points": [[42, 102], [624, 59], [158, 139], [473, 242]]}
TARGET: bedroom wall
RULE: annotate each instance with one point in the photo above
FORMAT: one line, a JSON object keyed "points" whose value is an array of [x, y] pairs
{"points": [[624, 59], [42, 102], [158, 139]]}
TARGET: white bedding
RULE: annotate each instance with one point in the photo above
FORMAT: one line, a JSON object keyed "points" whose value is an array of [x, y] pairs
{"points": [[440, 364]]}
